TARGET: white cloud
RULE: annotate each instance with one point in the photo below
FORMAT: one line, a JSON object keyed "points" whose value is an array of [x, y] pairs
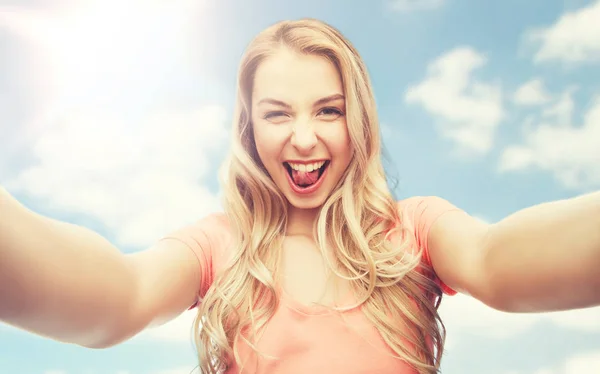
{"points": [[139, 179], [531, 93], [136, 165], [415, 5], [568, 151], [463, 314], [586, 362], [583, 320], [468, 110], [574, 38], [562, 110]]}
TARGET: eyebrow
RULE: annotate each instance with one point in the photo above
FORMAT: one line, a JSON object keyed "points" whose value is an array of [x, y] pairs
{"points": [[321, 101]]}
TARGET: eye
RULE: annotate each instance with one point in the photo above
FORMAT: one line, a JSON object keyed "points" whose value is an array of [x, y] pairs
{"points": [[276, 116], [331, 113]]}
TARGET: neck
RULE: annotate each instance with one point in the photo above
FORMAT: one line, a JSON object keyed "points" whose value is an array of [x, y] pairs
{"points": [[301, 221]]}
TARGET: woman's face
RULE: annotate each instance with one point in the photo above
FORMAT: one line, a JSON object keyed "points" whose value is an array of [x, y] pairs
{"points": [[299, 121]]}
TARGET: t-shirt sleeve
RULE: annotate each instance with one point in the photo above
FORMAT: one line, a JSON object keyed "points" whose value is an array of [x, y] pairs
{"points": [[209, 239], [423, 212]]}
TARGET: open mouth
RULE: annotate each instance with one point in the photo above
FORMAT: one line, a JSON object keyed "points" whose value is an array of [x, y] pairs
{"points": [[306, 177]]}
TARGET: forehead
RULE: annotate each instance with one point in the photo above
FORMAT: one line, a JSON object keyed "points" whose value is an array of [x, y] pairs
{"points": [[293, 77]]}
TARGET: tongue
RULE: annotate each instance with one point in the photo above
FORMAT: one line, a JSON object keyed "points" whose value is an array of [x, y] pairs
{"points": [[305, 178]]}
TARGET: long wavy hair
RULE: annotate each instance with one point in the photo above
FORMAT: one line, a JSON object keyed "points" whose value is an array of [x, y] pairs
{"points": [[392, 286]]}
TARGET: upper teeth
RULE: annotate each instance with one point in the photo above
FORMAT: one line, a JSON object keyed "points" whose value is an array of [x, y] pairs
{"points": [[306, 167]]}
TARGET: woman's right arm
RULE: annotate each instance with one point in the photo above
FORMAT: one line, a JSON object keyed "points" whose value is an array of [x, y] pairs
{"points": [[70, 284]]}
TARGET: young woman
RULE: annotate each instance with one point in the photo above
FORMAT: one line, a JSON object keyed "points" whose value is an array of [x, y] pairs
{"points": [[313, 267]]}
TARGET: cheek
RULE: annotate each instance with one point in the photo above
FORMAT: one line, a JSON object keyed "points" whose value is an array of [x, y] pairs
{"points": [[267, 145], [339, 141]]}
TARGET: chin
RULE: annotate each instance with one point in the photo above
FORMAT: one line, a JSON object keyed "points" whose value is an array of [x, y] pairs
{"points": [[306, 203]]}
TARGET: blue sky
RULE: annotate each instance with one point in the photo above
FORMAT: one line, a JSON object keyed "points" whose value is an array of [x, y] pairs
{"points": [[115, 116]]}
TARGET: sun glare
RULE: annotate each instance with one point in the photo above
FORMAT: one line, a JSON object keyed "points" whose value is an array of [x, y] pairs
{"points": [[81, 52]]}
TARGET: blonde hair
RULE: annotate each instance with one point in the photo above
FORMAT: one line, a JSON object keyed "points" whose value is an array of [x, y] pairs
{"points": [[392, 286]]}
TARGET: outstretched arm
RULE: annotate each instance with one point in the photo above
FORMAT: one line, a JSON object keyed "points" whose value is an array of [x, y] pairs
{"points": [[543, 258], [70, 284]]}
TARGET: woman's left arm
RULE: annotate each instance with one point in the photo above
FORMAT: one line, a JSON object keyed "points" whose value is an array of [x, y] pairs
{"points": [[543, 258]]}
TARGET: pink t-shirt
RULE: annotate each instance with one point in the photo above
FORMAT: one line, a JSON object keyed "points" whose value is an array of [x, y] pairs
{"points": [[311, 339]]}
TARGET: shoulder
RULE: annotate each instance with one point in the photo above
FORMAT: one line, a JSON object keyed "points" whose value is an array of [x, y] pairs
{"points": [[419, 214], [422, 203], [215, 229], [204, 231], [422, 211], [209, 237]]}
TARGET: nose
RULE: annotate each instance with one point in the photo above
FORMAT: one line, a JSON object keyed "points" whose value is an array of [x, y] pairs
{"points": [[303, 137]]}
